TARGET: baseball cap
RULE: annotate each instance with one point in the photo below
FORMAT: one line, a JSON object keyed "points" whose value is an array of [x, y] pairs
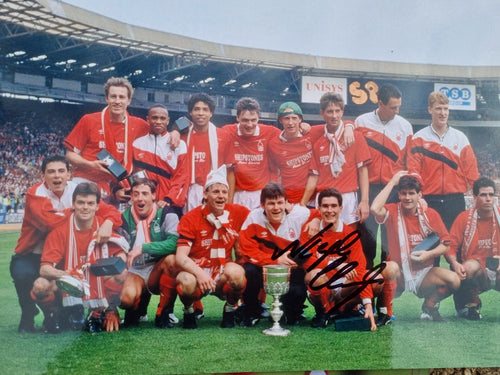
{"points": [[289, 108]]}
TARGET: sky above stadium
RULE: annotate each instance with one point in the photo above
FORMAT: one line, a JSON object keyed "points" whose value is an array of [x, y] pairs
{"points": [[460, 32]]}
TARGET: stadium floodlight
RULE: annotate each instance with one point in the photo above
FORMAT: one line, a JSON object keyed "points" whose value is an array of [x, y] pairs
{"points": [[38, 58], [246, 85], [230, 82], [180, 78], [15, 54]]}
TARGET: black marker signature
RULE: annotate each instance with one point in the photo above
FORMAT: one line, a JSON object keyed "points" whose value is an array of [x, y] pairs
{"points": [[300, 253]]}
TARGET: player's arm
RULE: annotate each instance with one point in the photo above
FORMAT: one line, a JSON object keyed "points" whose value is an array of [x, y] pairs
{"points": [[49, 272], [185, 263], [378, 205], [364, 186], [312, 181], [348, 134], [423, 255], [83, 164], [231, 181]]}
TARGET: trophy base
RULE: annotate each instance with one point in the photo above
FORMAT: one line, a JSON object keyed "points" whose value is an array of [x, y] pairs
{"points": [[276, 331]]}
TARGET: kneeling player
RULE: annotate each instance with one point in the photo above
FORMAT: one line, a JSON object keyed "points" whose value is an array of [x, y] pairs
{"points": [[338, 259], [207, 235], [407, 226]]}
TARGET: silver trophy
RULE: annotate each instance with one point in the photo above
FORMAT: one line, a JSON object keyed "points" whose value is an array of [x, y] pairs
{"points": [[276, 283]]}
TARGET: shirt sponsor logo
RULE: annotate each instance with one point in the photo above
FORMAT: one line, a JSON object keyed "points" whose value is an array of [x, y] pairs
{"points": [[248, 159], [299, 160], [200, 157]]}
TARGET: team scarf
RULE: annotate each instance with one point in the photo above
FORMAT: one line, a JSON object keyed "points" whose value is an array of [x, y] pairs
{"points": [[223, 237], [93, 286], [336, 157], [404, 245], [143, 234], [470, 233], [214, 147], [111, 145]]}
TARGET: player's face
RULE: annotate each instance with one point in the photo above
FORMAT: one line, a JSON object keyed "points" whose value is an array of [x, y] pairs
{"points": [[248, 121], [158, 120], [485, 199], [291, 125], [388, 111], [275, 209], [439, 113], [56, 177], [201, 114], [143, 200], [333, 116], [216, 197], [118, 100], [329, 209], [409, 199], [85, 207]]}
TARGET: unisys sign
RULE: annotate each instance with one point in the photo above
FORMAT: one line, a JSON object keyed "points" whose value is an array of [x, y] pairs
{"points": [[314, 87]]}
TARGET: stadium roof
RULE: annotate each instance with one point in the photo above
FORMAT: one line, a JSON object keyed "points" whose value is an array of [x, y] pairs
{"points": [[60, 40]]}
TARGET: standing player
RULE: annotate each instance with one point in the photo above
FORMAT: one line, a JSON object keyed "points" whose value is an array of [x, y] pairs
{"points": [[202, 141], [245, 146], [67, 251], [291, 152], [207, 235], [444, 158], [387, 135], [334, 164], [474, 250], [266, 229], [350, 267], [408, 226], [152, 235], [47, 205], [112, 129], [167, 167]]}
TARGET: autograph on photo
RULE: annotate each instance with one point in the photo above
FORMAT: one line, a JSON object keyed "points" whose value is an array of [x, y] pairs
{"points": [[341, 248]]}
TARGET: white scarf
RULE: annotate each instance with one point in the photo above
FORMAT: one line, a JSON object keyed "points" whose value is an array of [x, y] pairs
{"points": [[143, 235], [214, 147], [404, 245], [336, 157]]}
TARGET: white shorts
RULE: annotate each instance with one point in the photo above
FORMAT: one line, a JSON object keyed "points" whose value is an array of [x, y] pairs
{"points": [[249, 199], [418, 278], [143, 271], [194, 197]]}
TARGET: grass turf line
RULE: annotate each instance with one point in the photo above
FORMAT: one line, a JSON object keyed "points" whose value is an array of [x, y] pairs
{"points": [[407, 343]]}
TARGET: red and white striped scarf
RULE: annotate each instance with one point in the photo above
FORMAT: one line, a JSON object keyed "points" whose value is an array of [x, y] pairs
{"points": [[470, 233], [142, 226], [93, 285], [404, 244], [223, 236]]}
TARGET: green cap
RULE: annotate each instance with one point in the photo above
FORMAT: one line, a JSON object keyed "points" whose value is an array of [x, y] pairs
{"points": [[289, 108]]}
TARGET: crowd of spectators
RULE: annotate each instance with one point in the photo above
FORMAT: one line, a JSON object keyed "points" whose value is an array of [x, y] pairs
{"points": [[26, 136]]}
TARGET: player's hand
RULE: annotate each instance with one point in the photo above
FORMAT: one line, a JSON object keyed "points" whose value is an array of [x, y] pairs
{"points": [[351, 275], [161, 204], [369, 315], [111, 320], [363, 211], [205, 283], [122, 196], [99, 166], [105, 231], [175, 139], [419, 256], [348, 136], [284, 260], [304, 128], [312, 228], [459, 270], [397, 176], [132, 255]]}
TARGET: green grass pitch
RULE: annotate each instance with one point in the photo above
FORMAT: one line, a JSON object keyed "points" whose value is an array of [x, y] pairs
{"points": [[406, 344]]}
